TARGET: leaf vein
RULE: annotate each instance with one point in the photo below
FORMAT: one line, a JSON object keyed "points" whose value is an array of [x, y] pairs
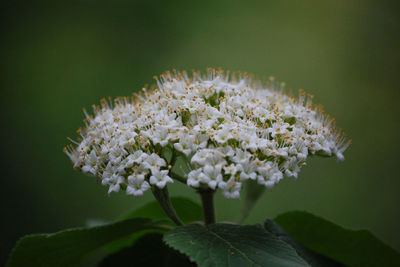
{"points": [[233, 247]]}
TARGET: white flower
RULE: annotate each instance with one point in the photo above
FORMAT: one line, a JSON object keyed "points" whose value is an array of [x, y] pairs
{"points": [[223, 136], [137, 157], [185, 144], [264, 114], [115, 181], [194, 178], [249, 141], [116, 154], [292, 167], [231, 169], [127, 138], [278, 128], [153, 163], [160, 178], [241, 157], [227, 129], [226, 151], [269, 174], [201, 140], [231, 188], [109, 172], [201, 156], [159, 135], [215, 158], [74, 156], [91, 163], [137, 185], [247, 171], [211, 176]]}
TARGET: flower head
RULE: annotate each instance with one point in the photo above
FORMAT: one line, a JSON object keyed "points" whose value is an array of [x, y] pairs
{"points": [[227, 128]]}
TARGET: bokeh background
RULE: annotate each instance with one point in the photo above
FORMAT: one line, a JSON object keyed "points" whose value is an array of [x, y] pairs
{"points": [[57, 59]]}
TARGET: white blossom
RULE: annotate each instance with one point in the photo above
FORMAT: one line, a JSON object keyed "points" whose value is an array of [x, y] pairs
{"points": [[202, 156], [223, 135], [226, 129], [211, 176], [231, 169], [153, 163], [194, 178], [91, 163], [247, 171], [185, 144], [160, 178], [137, 185], [231, 188], [115, 183]]}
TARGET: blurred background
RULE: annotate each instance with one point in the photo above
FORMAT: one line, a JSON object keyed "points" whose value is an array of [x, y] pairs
{"points": [[57, 59]]}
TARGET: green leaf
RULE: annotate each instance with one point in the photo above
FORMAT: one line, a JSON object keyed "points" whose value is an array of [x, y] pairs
{"points": [[73, 247], [312, 258], [148, 250], [350, 247], [186, 209], [232, 245]]}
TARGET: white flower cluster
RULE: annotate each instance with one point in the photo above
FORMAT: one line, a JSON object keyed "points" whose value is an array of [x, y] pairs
{"points": [[228, 129]]}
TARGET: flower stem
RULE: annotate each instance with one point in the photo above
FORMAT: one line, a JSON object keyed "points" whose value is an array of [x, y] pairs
{"points": [[207, 199], [173, 157], [162, 197], [177, 177], [253, 192]]}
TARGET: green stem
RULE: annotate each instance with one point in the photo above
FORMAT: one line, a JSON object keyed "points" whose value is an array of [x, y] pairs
{"points": [[245, 211], [173, 158], [207, 199], [253, 192], [162, 197], [177, 177]]}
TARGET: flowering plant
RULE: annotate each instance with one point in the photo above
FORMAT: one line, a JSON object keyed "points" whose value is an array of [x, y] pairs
{"points": [[218, 131], [227, 128]]}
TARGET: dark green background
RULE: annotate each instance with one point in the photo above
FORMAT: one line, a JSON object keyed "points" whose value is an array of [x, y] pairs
{"points": [[58, 59]]}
